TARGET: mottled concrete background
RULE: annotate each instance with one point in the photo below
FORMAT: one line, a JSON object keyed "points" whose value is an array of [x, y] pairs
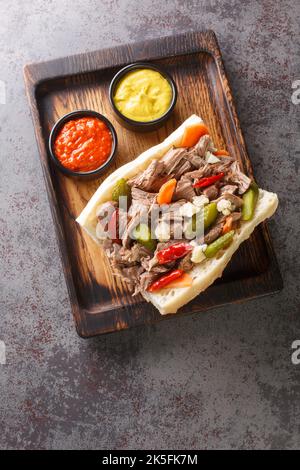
{"points": [[219, 380]]}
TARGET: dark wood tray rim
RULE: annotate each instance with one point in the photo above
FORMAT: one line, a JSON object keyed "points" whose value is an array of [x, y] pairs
{"points": [[36, 74]]}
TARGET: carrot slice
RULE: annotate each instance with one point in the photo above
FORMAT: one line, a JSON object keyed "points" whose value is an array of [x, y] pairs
{"points": [[193, 133], [221, 153], [228, 225], [166, 192], [183, 281]]}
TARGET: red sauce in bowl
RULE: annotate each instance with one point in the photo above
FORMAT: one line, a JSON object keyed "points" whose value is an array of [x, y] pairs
{"points": [[83, 144]]}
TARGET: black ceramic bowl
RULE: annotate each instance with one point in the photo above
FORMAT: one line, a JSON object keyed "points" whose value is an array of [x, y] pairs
{"points": [[76, 115], [138, 125]]}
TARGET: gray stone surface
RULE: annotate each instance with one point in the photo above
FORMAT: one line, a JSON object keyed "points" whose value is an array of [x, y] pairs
{"points": [[218, 380]]}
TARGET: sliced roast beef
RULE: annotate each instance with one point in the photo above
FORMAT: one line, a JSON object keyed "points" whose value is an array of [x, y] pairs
{"points": [[162, 268], [131, 275], [236, 217], [118, 256], [122, 265], [196, 155], [202, 172], [185, 263], [208, 169], [145, 280], [221, 218], [212, 234], [216, 231], [203, 145], [138, 208], [175, 206], [235, 176], [112, 253], [211, 192], [152, 178], [143, 197], [127, 235], [162, 245], [184, 190], [194, 158], [141, 202], [167, 212], [139, 252], [177, 228], [229, 188], [151, 265], [222, 166], [176, 163], [157, 212], [136, 253], [122, 222]]}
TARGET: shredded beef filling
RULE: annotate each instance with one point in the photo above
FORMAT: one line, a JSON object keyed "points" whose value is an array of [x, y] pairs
{"points": [[134, 260]]}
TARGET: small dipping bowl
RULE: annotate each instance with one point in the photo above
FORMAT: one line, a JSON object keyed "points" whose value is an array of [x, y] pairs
{"points": [[141, 126], [73, 116]]}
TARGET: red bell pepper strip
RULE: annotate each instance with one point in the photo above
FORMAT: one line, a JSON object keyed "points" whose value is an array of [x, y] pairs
{"points": [[204, 182], [221, 153], [113, 227], [173, 252], [165, 280]]}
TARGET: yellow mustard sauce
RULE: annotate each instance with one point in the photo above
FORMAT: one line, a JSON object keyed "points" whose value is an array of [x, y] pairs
{"points": [[143, 95]]}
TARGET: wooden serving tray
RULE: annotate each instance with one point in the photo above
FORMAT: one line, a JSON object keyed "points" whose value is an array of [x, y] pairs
{"points": [[100, 303]]}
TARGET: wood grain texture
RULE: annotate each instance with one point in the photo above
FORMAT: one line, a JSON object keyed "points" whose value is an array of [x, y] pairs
{"points": [[101, 303]]}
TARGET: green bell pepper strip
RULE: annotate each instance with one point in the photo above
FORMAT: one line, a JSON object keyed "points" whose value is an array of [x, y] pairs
{"points": [[209, 214], [249, 202], [142, 234], [219, 244]]}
